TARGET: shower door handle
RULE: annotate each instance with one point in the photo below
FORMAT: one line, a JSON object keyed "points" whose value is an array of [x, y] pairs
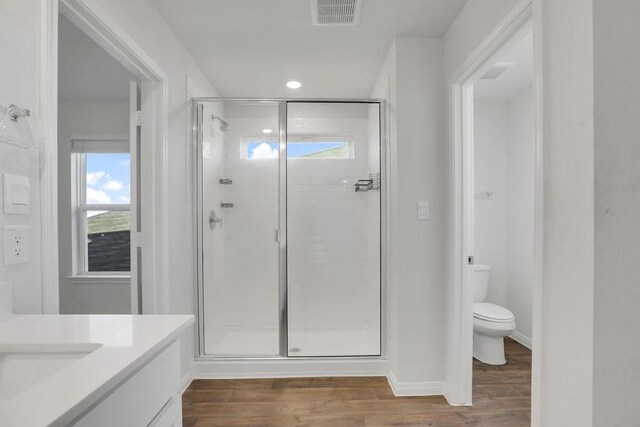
{"points": [[214, 220]]}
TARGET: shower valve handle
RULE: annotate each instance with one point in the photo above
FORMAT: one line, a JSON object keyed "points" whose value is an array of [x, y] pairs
{"points": [[214, 220]]}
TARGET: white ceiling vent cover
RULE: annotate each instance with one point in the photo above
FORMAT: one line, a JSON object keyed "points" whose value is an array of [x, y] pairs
{"points": [[336, 12], [497, 70]]}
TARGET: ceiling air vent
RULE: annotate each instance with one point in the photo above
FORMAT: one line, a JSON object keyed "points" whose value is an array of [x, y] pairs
{"points": [[497, 70], [336, 12]]}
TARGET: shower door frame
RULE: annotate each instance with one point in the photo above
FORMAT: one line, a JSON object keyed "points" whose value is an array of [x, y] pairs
{"points": [[282, 103]]}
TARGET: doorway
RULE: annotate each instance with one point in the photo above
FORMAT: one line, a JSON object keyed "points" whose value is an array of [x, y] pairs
{"points": [[146, 94], [289, 216], [491, 201], [97, 175]]}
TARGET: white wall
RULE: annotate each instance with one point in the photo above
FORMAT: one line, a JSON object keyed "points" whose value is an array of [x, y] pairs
{"points": [[83, 297], [566, 337], [616, 383], [25, 278], [19, 23], [520, 210], [491, 140], [474, 23], [504, 164], [412, 80]]}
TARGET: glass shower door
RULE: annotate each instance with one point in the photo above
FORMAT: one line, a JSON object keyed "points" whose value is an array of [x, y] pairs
{"points": [[333, 228], [240, 211]]}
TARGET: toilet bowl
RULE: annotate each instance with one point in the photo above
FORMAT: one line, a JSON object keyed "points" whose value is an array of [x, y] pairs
{"points": [[491, 322]]}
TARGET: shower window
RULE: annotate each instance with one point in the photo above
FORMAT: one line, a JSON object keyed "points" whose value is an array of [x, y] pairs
{"points": [[300, 147], [101, 206]]}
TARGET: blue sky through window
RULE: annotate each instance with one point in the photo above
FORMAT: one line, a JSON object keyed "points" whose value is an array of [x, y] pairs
{"points": [[269, 150], [108, 178]]}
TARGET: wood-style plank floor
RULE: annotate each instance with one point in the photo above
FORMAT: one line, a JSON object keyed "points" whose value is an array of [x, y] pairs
{"points": [[501, 397]]}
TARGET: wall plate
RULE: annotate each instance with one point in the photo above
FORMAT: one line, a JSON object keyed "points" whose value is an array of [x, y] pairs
{"points": [[17, 194], [16, 244]]}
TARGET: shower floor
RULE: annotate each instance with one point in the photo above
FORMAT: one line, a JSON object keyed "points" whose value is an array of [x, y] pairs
{"points": [[333, 342], [263, 342]]}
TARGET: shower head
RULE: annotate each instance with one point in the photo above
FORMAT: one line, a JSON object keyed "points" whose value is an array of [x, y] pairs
{"points": [[224, 125]]}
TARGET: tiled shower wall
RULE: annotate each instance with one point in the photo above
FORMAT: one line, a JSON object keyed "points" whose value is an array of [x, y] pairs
{"points": [[333, 238], [242, 297]]}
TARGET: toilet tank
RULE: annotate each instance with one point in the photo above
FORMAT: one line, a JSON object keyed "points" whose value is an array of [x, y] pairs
{"points": [[480, 282]]}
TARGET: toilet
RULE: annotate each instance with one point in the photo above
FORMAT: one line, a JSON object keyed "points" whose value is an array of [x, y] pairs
{"points": [[491, 322]]}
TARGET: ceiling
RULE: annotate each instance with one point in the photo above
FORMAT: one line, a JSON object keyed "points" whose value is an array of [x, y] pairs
{"points": [[515, 80], [250, 48], [86, 72]]}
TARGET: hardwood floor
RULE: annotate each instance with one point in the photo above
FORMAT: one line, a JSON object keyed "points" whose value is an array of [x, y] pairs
{"points": [[501, 397]]}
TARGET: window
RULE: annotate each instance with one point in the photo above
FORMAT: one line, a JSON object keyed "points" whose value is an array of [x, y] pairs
{"points": [[300, 147], [101, 205]]}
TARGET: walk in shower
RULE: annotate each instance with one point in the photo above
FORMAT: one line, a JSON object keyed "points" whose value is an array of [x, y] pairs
{"points": [[289, 225]]}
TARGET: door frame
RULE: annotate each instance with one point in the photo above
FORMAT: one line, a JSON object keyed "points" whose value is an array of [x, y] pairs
{"points": [[459, 374], [101, 28], [197, 120]]}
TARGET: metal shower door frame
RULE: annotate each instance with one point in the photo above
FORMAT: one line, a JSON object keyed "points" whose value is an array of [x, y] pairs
{"points": [[197, 121]]}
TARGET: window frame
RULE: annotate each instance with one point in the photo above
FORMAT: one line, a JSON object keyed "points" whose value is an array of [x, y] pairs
{"points": [[299, 139], [81, 145]]}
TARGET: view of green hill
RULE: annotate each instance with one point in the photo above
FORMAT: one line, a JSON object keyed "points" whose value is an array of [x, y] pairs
{"points": [[109, 221], [341, 152]]}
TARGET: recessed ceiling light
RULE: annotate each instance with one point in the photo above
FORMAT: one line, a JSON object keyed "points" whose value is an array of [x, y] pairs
{"points": [[294, 84], [266, 131]]}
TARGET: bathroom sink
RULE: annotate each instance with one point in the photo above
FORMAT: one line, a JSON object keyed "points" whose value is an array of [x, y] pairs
{"points": [[24, 365]]}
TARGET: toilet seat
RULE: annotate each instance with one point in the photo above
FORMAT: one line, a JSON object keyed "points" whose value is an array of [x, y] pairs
{"points": [[492, 313]]}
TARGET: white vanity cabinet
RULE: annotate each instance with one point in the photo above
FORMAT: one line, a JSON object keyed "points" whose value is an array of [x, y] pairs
{"points": [[92, 370], [149, 397]]}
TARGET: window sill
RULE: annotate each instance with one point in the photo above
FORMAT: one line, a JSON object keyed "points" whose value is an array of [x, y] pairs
{"points": [[93, 280]]}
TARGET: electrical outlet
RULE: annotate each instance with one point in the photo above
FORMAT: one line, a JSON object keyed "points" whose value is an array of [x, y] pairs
{"points": [[16, 244]]}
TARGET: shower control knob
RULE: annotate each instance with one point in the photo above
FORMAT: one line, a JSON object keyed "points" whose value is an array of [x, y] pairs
{"points": [[214, 220]]}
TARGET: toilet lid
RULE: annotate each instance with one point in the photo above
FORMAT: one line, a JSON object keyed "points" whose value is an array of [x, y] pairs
{"points": [[492, 312]]}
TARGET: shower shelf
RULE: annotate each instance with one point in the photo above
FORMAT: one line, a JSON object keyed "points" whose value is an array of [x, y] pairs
{"points": [[364, 185]]}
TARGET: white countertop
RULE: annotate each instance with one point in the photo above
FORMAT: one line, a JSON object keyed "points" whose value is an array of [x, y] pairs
{"points": [[127, 342]]}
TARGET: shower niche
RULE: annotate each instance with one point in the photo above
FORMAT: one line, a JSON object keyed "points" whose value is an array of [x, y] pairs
{"points": [[289, 222]]}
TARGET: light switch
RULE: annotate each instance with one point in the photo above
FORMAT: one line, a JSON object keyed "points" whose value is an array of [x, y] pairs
{"points": [[16, 194], [423, 211], [19, 195]]}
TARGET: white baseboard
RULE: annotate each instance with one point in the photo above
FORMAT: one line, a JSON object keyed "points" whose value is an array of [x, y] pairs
{"points": [[454, 403], [521, 338], [288, 368], [279, 368], [185, 383], [426, 388]]}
